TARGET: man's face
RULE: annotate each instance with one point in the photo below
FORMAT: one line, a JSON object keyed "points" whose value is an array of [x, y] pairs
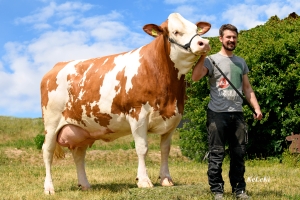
{"points": [[229, 40]]}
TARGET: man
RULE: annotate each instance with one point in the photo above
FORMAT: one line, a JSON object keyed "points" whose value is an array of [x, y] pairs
{"points": [[225, 121]]}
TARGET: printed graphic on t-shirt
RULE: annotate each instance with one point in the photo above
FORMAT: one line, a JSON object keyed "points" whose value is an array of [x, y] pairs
{"points": [[235, 76], [223, 83]]}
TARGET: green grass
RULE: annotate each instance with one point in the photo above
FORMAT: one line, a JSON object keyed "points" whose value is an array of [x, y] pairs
{"points": [[112, 167]]}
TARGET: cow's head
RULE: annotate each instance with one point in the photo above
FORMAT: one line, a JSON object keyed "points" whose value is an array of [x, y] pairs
{"points": [[185, 41]]}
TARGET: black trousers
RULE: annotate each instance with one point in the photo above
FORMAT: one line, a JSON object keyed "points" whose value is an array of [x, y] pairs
{"points": [[227, 127]]}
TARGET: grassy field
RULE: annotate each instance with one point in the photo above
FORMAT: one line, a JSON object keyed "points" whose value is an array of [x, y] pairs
{"points": [[111, 169]]}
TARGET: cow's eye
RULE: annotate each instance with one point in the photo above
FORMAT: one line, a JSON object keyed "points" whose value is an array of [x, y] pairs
{"points": [[175, 32]]}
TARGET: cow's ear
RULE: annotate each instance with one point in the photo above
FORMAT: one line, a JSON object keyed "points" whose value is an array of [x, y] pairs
{"points": [[289, 138], [153, 30], [203, 27]]}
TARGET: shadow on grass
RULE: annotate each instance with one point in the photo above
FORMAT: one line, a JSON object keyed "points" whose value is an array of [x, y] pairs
{"points": [[177, 192], [131, 191], [113, 187]]}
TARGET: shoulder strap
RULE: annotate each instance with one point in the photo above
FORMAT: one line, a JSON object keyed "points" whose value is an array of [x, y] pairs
{"points": [[238, 92]]}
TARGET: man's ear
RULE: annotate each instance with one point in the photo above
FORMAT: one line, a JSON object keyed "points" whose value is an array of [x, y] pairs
{"points": [[203, 27], [221, 38], [153, 30]]}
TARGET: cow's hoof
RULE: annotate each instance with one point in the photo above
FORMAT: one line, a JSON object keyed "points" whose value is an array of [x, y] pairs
{"points": [[146, 183], [84, 188], [167, 182]]}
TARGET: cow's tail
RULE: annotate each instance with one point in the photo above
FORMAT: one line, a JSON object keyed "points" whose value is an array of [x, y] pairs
{"points": [[59, 152]]}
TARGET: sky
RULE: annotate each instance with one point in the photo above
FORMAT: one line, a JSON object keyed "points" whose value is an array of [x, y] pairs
{"points": [[36, 34]]}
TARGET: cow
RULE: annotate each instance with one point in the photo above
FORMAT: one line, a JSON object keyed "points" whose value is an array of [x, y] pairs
{"points": [[138, 92]]}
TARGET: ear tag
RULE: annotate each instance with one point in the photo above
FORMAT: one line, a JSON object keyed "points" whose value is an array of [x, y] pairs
{"points": [[154, 32], [199, 30]]}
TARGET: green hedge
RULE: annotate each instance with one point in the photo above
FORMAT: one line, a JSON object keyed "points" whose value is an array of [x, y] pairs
{"points": [[272, 52]]}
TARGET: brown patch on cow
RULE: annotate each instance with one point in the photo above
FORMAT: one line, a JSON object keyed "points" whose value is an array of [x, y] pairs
{"points": [[49, 84]]}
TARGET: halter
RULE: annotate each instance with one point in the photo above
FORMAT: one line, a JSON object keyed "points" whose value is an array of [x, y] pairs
{"points": [[187, 46]]}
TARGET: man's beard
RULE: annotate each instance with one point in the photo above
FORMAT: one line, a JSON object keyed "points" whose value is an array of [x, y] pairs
{"points": [[229, 48]]}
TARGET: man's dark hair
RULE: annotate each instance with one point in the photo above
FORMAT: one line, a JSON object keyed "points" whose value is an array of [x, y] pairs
{"points": [[227, 27]]}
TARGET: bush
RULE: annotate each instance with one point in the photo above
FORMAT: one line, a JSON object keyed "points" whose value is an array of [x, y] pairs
{"points": [[272, 52], [39, 141], [291, 159]]}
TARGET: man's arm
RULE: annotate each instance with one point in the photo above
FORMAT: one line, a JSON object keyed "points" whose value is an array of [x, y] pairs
{"points": [[199, 70], [250, 96]]}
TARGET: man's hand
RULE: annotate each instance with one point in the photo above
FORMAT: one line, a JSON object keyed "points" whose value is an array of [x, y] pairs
{"points": [[258, 115]]}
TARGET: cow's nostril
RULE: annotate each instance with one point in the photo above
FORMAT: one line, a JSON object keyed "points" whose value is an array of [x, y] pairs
{"points": [[201, 43]]}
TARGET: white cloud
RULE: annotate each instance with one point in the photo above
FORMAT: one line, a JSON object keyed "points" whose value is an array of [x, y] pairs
{"points": [[246, 16], [40, 16], [282, 9], [94, 21], [65, 12]]}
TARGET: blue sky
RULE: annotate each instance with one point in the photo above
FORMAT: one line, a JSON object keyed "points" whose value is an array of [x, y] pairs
{"points": [[36, 34]]}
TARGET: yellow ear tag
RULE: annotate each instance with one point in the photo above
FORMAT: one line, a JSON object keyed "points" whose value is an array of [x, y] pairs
{"points": [[154, 32], [199, 30]]}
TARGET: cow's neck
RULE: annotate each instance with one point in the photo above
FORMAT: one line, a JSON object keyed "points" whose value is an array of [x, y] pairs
{"points": [[177, 64], [183, 62]]}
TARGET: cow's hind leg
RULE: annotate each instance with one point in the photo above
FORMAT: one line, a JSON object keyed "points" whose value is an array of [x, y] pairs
{"points": [[48, 151], [165, 145], [79, 157]]}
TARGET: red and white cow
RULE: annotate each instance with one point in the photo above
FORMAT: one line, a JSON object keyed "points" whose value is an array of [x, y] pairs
{"points": [[137, 92]]}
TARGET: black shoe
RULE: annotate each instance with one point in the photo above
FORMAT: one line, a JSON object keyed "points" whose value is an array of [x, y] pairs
{"points": [[242, 195], [219, 196]]}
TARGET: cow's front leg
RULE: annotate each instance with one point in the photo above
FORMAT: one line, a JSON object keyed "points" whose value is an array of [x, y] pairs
{"points": [[139, 133], [165, 145], [79, 157], [142, 176]]}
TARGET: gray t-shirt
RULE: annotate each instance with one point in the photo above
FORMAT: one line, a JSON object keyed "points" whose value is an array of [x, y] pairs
{"points": [[223, 98]]}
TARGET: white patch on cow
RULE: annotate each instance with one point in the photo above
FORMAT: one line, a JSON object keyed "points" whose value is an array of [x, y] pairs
{"points": [[128, 62], [143, 120], [84, 75], [82, 81], [93, 104], [81, 93], [105, 61]]}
